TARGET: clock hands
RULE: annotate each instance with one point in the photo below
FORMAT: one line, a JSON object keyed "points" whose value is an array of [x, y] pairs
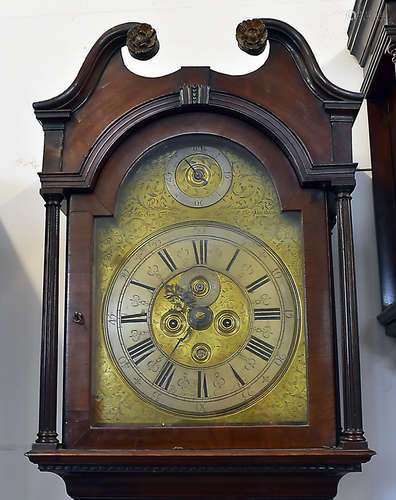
{"points": [[182, 339], [198, 173]]}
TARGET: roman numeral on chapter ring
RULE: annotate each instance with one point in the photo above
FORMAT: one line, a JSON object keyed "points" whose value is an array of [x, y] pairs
{"points": [[134, 318], [273, 313], [201, 252], [142, 285], [167, 259], [141, 350], [232, 259], [260, 348], [237, 376], [202, 385], [165, 376], [258, 283]]}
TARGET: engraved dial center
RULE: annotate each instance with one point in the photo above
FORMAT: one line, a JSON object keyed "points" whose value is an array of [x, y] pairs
{"points": [[198, 175], [200, 287], [212, 305]]}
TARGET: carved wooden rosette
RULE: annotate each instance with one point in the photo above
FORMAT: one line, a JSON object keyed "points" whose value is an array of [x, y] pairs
{"points": [[317, 148], [252, 36], [142, 41]]}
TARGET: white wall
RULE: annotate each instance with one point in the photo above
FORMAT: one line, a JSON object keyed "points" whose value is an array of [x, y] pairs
{"points": [[43, 46]]}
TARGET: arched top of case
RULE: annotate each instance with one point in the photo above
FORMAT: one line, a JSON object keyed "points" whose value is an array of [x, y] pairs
{"points": [[288, 90], [115, 38]]}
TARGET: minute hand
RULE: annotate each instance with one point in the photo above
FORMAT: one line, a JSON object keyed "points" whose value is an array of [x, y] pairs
{"points": [[189, 330], [165, 376]]}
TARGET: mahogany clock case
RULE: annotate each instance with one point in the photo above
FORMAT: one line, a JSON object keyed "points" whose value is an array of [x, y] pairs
{"points": [[79, 397], [298, 126]]}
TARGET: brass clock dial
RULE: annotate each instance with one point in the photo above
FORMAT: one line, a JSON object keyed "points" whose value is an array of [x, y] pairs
{"points": [[199, 306], [202, 319]]}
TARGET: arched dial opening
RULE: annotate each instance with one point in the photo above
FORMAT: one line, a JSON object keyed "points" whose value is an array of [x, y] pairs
{"points": [[200, 302]]}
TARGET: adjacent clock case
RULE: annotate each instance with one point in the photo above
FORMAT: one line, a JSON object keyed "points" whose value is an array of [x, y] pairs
{"points": [[297, 125]]}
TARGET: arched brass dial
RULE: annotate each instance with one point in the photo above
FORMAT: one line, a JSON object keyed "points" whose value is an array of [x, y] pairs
{"points": [[212, 330]]}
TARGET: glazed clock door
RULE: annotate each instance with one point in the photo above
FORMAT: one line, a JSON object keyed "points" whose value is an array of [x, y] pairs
{"points": [[198, 241]]}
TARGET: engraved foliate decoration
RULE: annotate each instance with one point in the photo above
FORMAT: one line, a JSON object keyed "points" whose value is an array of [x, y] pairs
{"points": [[198, 176], [208, 339], [202, 291]]}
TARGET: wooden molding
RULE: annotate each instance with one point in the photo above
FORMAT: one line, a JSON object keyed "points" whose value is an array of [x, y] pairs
{"points": [[306, 62], [371, 31], [337, 174], [265, 474], [78, 92], [372, 39], [115, 38]]}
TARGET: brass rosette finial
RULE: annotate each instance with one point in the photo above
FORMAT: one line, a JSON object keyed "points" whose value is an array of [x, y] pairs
{"points": [[142, 42], [252, 36]]}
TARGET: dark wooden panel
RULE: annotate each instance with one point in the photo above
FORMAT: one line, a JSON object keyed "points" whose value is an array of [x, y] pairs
{"points": [[255, 474]]}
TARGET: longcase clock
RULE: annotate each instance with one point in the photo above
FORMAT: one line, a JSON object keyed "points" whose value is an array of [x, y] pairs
{"points": [[201, 349]]}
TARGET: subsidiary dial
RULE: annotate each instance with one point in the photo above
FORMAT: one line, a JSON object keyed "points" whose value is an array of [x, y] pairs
{"points": [[198, 176]]}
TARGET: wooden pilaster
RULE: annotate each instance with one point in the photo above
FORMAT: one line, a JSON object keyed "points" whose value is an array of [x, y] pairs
{"points": [[352, 435], [47, 435]]}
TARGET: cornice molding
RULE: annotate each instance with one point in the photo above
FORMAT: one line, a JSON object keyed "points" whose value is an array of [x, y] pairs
{"points": [[339, 469], [371, 32], [91, 70], [308, 173], [115, 38], [305, 60], [366, 17]]}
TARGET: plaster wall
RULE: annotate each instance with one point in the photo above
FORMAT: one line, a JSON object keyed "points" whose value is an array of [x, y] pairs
{"points": [[43, 46]]}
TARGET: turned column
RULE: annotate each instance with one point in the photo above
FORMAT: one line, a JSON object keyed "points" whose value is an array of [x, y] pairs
{"points": [[47, 435], [352, 435]]}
